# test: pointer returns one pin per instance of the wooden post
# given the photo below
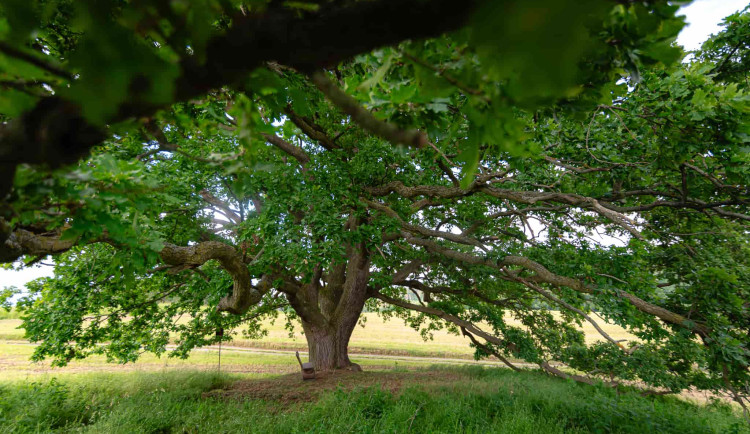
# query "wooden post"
(220, 334)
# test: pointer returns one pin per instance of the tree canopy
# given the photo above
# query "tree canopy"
(202, 165)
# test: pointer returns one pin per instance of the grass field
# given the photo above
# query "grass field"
(432, 400)
(260, 391)
(377, 337)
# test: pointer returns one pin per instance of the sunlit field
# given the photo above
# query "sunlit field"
(378, 336)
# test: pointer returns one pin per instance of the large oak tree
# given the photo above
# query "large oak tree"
(226, 161)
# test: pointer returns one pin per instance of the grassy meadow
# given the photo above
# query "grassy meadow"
(376, 337)
(430, 400)
(259, 390)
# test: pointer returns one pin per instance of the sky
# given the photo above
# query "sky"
(703, 18)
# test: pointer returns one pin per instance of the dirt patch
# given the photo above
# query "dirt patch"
(291, 388)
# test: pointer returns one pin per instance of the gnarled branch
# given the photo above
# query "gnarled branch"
(244, 294)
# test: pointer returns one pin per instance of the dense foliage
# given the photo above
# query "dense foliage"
(537, 159)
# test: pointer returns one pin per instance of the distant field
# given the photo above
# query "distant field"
(377, 337)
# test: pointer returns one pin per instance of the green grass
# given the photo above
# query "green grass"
(485, 400)
(160, 395)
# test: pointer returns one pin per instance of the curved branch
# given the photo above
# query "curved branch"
(568, 306)
(456, 238)
(440, 314)
(56, 133)
(526, 197)
(21, 242)
(35, 60)
(244, 294)
(544, 275)
(546, 367)
(311, 130)
(221, 205)
(489, 350)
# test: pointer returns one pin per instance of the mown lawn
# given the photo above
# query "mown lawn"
(431, 400)
(16, 366)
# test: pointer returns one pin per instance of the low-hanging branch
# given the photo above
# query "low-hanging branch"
(244, 294)
(55, 132)
(447, 317)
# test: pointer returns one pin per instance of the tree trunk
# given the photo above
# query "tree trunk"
(330, 312)
(328, 345)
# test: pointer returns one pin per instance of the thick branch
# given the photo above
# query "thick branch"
(544, 275)
(364, 118)
(21, 242)
(295, 151)
(579, 378)
(456, 238)
(243, 294)
(311, 130)
(35, 60)
(221, 205)
(55, 132)
(354, 290)
(526, 197)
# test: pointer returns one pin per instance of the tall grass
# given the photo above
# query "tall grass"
(487, 400)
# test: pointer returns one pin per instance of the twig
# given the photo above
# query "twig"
(450, 79)
(489, 350)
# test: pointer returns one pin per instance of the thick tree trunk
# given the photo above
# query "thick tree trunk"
(329, 344)
(329, 311)
(326, 352)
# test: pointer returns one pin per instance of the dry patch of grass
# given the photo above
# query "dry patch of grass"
(393, 337)
(378, 336)
(291, 388)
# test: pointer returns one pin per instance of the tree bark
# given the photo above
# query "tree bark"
(329, 346)
(56, 133)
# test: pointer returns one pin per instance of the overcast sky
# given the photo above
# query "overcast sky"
(703, 18)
